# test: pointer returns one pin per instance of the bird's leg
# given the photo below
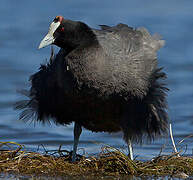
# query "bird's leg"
(130, 149)
(77, 132)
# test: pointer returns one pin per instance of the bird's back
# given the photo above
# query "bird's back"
(120, 63)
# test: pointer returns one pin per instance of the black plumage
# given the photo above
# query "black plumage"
(104, 80)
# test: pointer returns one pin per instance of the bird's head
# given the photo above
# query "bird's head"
(67, 34)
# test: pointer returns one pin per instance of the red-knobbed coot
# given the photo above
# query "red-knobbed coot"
(105, 80)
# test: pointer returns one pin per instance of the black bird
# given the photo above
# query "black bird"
(105, 80)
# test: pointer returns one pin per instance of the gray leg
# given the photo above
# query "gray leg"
(77, 132)
(130, 149)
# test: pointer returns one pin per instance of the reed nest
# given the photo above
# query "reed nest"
(14, 159)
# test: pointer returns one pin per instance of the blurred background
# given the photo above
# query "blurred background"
(24, 23)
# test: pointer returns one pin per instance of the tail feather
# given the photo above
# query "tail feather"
(154, 42)
(147, 118)
(158, 104)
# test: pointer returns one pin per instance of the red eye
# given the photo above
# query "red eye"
(62, 29)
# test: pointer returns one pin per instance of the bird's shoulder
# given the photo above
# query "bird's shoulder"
(122, 39)
(118, 37)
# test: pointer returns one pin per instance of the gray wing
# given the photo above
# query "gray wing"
(125, 39)
(122, 63)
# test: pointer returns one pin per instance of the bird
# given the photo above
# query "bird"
(103, 80)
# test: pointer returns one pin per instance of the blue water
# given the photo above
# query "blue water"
(24, 23)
